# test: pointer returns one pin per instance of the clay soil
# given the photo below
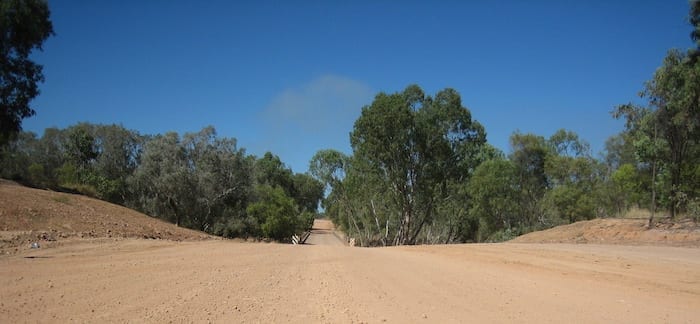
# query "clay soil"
(664, 232)
(132, 279)
(53, 218)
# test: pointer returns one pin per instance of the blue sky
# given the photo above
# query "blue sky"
(291, 77)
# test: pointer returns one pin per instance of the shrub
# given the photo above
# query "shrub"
(37, 177)
(694, 209)
(275, 212)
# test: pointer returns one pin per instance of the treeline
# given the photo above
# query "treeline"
(421, 170)
(196, 180)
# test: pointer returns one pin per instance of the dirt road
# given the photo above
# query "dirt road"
(323, 233)
(223, 281)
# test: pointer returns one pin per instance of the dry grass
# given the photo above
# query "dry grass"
(639, 213)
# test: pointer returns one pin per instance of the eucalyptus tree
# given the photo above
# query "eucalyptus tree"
(221, 177)
(304, 189)
(17, 155)
(416, 144)
(163, 186)
(118, 154)
(529, 153)
(495, 207)
(573, 177)
(24, 26)
(666, 133)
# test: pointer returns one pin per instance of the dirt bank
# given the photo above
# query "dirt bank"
(681, 232)
(53, 218)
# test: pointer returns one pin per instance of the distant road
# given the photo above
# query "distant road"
(323, 233)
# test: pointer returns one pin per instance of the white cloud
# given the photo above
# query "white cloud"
(317, 115)
(322, 104)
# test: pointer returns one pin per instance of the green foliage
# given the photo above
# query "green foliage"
(572, 178)
(328, 166)
(306, 192)
(504, 235)
(571, 203)
(619, 151)
(624, 186)
(67, 175)
(494, 191)
(15, 157)
(306, 221)
(197, 180)
(665, 134)
(24, 26)
(276, 213)
(166, 180)
(80, 147)
(272, 172)
(409, 146)
(36, 174)
(529, 155)
(421, 172)
(694, 209)
(303, 188)
(544, 183)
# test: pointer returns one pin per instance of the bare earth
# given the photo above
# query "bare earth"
(683, 232)
(221, 281)
(127, 279)
(53, 219)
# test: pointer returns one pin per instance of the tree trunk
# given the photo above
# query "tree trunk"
(653, 184)
(675, 185)
(376, 220)
(173, 206)
(653, 194)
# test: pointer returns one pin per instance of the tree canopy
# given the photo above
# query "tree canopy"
(24, 26)
(196, 180)
(420, 170)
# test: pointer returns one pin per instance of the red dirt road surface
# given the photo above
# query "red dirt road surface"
(225, 282)
(104, 263)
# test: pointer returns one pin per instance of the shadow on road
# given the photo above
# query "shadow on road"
(323, 233)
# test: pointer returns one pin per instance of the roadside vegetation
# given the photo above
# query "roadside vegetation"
(197, 180)
(421, 170)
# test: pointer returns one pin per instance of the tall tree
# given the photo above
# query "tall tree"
(619, 150)
(17, 155)
(307, 192)
(269, 170)
(668, 130)
(220, 175)
(529, 155)
(24, 26)
(275, 212)
(119, 151)
(494, 192)
(165, 187)
(571, 174)
(416, 144)
(694, 19)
